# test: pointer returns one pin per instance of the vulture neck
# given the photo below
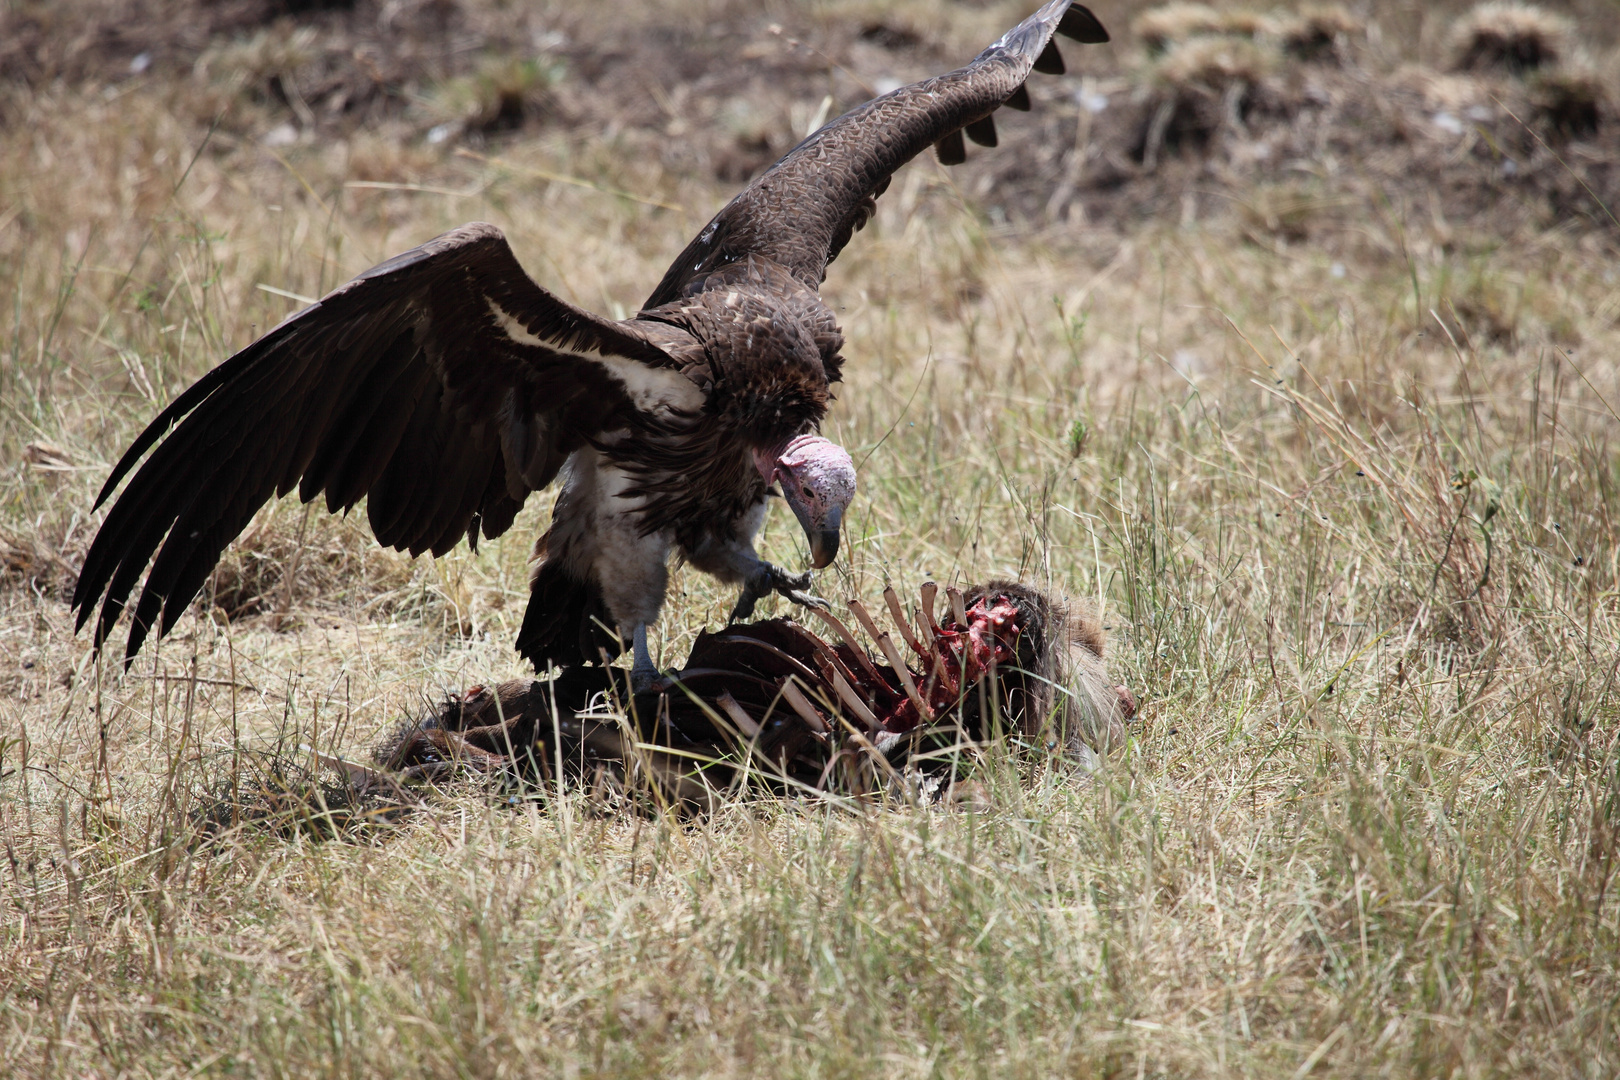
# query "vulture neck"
(765, 460)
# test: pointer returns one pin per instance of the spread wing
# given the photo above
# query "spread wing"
(443, 385)
(804, 209)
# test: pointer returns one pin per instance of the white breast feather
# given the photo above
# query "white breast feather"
(649, 389)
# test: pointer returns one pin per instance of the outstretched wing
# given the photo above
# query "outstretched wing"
(802, 211)
(443, 385)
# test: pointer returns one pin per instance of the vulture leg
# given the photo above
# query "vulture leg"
(767, 578)
(644, 674)
(730, 556)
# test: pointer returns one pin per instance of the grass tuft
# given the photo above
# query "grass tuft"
(1511, 37)
(1320, 33)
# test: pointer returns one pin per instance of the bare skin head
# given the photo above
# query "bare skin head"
(818, 481)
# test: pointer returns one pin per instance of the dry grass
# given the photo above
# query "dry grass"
(1351, 504)
(1161, 27)
(1512, 37)
(1320, 32)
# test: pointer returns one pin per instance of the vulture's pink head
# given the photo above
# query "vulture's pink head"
(818, 481)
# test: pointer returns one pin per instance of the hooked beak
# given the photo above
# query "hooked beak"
(824, 545)
(822, 535)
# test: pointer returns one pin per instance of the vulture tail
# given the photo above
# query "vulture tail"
(567, 621)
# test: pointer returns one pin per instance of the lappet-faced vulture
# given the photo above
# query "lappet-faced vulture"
(444, 386)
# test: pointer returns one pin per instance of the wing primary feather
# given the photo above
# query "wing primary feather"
(982, 131)
(390, 382)
(443, 482)
(255, 398)
(820, 187)
(194, 395)
(1019, 99)
(448, 482)
(1050, 61)
(218, 510)
(332, 394)
(458, 523)
(188, 492)
(194, 573)
(351, 379)
(363, 469)
(1079, 24)
(123, 580)
(162, 488)
(337, 465)
(391, 506)
(498, 508)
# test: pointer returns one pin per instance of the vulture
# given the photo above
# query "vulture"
(444, 386)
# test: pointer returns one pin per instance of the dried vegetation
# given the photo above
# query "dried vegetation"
(1319, 405)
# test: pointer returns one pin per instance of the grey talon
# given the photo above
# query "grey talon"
(769, 578)
(744, 607)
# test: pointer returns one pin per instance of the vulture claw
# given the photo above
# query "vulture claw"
(769, 578)
(744, 607)
(804, 599)
(786, 581)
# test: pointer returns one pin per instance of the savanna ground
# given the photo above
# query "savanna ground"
(1301, 363)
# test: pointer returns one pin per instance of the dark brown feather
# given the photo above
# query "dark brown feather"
(982, 131)
(405, 483)
(1050, 61)
(497, 508)
(355, 450)
(799, 212)
(1079, 24)
(951, 150)
(390, 387)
